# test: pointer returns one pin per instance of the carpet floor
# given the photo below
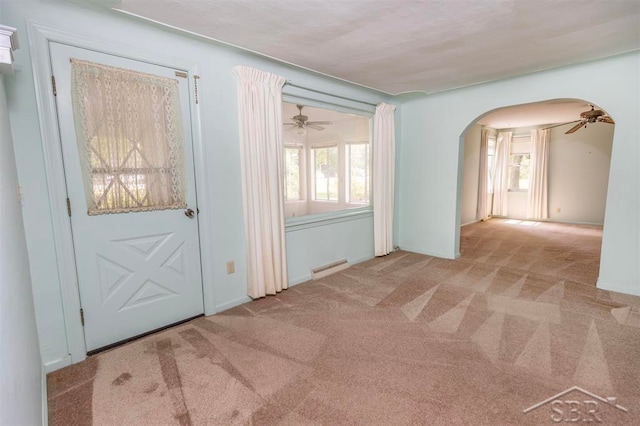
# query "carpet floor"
(402, 339)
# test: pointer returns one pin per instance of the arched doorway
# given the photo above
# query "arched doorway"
(576, 171)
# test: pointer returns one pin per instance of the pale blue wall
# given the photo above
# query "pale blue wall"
(431, 154)
(217, 88)
(21, 371)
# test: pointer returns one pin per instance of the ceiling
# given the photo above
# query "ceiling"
(409, 45)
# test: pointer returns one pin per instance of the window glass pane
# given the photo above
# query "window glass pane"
(292, 174)
(130, 140)
(325, 162)
(358, 173)
(519, 172)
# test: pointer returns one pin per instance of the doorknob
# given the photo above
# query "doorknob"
(189, 213)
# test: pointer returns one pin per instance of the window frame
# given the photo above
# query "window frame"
(312, 171)
(302, 169)
(516, 148)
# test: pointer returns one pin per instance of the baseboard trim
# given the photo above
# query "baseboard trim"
(564, 222)
(364, 259)
(232, 304)
(431, 253)
(45, 403)
(472, 222)
(57, 364)
(618, 289)
(299, 280)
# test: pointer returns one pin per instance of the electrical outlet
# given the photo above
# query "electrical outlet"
(231, 267)
(558, 209)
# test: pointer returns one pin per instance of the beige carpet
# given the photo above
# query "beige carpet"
(403, 339)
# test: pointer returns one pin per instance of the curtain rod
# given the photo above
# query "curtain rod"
(288, 83)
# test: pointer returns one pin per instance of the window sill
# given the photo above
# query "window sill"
(323, 219)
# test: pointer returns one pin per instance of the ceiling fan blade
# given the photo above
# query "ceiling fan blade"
(320, 123)
(576, 127)
(313, 126)
(561, 124)
(289, 124)
(606, 119)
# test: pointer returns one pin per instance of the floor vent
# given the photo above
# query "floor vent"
(331, 268)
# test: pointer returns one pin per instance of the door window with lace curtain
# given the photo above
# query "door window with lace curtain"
(130, 139)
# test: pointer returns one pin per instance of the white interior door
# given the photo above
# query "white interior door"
(137, 270)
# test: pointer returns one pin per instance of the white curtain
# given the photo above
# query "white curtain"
(538, 183)
(130, 139)
(501, 180)
(384, 160)
(482, 212)
(262, 161)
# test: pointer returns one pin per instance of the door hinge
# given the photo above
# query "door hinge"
(53, 86)
(195, 84)
(69, 207)
(82, 316)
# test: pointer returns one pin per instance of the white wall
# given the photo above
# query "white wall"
(21, 372)
(471, 174)
(431, 156)
(218, 107)
(579, 166)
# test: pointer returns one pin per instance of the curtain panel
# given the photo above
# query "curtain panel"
(384, 160)
(262, 163)
(483, 211)
(501, 180)
(537, 207)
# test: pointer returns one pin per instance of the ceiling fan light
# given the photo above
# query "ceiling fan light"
(301, 131)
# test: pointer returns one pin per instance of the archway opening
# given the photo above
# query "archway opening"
(501, 175)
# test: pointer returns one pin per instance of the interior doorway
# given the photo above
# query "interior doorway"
(580, 139)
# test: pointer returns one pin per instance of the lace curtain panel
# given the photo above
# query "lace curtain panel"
(130, 139)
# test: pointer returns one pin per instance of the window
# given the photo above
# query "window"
(327, 160)
(519, 172)
(293, 176)
(519, 159)
(358, 172)
(325, 173)
(135, 163)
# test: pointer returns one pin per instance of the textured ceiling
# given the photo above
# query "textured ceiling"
(410, 45)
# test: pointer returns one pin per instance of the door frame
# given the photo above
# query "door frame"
(39, 38)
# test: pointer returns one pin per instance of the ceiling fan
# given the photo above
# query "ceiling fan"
(592, 116)
(301, 122)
